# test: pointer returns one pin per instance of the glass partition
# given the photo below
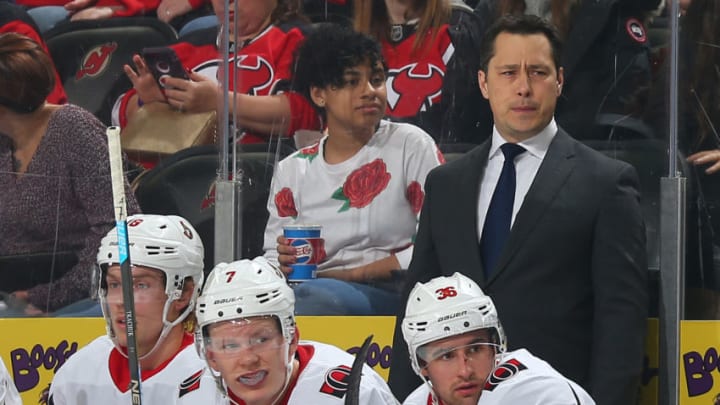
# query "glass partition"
(245, 146)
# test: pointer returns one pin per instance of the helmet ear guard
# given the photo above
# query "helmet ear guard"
(445, 307)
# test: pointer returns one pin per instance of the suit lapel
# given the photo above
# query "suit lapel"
(471, 171)
(552, 174)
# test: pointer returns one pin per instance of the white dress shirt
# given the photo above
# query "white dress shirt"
(526, 167)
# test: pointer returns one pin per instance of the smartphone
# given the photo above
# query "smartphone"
(163, 62)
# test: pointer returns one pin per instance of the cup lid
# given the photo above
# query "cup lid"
(302, 227)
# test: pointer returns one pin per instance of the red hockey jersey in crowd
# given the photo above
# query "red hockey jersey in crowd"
(264, 67)
(435, 87)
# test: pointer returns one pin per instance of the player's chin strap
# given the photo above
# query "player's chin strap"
(433, 395)
(289, 366)
(167, 325)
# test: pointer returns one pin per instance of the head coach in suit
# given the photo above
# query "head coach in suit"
(563, 256)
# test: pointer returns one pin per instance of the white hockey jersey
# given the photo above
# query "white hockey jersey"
(521, 378)
(8, 392)
(323, 379)
(98, 374)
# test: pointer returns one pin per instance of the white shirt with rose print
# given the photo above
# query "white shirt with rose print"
(368, 205)
(521, 378)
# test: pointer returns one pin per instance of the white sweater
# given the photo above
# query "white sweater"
(363, 204)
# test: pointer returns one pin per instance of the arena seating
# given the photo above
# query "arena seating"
(183, 184)
(89, 56)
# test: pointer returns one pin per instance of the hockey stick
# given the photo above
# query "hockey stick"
(118, 191)
(352, 396)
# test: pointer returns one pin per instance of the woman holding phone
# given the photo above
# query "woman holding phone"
(263, 35)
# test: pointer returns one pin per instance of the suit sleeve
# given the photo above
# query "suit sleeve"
(423, 266)
(619, 274)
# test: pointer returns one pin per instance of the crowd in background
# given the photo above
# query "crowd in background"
(384, 111)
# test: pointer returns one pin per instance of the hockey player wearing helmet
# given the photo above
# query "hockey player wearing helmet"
(458, 347)
(246, 331)
(166, 255)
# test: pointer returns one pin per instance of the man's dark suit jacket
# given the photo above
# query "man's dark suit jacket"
(570, 284)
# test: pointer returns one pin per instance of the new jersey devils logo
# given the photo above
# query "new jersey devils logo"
(96, 60)
(255, 75)
(413, 88)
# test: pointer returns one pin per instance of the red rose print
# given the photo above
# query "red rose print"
(415, 195)
(285, 203)
(365, 183)
(309, 153)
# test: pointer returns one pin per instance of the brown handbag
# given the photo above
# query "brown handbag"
(157, 130)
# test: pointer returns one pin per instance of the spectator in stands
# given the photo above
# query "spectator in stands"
(166, 278)
(430, 48)
(605, 61)
(554, 234)
(362, 181)
(55, 177)
(458, 347)
(247, 332)
(268, 33)
(50, 13)
(14, 18)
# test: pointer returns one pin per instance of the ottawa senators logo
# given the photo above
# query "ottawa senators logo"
(503, 372)
(336, 381)
(96, 60)
(413, 88)
(190, 384)
(255, 75)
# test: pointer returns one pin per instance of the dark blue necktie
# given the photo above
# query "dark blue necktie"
(499, 215)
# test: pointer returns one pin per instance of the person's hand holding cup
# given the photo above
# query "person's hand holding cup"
(300, 249)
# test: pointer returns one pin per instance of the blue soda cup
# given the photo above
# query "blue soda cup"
(309, 250)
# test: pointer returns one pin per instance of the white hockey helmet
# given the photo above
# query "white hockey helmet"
(444, 307)
(243, 289)
(164, 242)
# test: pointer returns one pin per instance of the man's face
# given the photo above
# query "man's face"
(458, 366)
(252, 357)
(522, 85)
(149, 296)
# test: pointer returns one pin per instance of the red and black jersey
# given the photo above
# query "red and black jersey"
(14, 18)
(435, 86)
(260, 65)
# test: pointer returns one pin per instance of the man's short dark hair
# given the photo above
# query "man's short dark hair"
(520, 25)
(325, 54)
